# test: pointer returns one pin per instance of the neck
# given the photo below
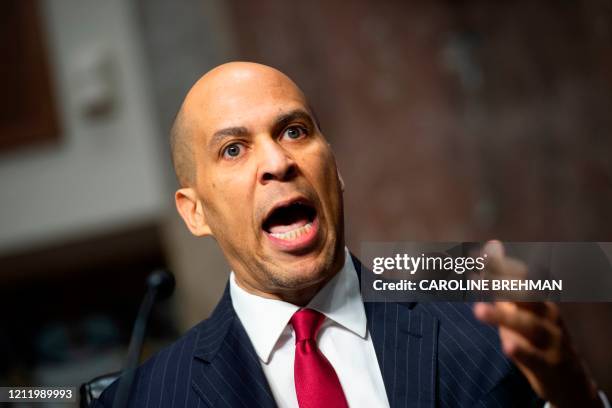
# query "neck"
(301, 297)
(298, 294)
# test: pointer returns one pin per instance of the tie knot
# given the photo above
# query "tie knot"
(306, 324)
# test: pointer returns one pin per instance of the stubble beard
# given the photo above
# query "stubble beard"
(309, 276)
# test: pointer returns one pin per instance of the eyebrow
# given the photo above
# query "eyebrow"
(286, 118)
(280, 122)
(219, 135)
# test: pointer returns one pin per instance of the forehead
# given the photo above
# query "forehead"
(248, 101)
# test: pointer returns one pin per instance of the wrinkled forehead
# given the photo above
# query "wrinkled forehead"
(249, 101)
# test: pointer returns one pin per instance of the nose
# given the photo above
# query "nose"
(275, 163)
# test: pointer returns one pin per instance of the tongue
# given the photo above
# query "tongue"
(280, 228)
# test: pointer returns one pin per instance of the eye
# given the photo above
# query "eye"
(294, 132)
(232, 151)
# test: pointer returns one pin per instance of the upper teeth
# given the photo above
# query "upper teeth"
(293, 234)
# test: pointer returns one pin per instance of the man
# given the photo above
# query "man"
(257, 174)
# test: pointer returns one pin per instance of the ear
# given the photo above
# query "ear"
(191, 211)
(341, 181)
(337, 169)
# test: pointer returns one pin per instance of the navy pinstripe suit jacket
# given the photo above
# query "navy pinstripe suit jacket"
(430, 355)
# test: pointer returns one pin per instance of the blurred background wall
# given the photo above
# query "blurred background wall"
(458, 121)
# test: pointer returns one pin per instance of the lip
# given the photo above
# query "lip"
(284, 203)
(298, 245)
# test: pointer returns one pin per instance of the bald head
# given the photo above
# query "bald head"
(224, 85)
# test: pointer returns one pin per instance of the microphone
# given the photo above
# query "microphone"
(160, 284)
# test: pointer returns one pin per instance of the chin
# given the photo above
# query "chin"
(304, 272)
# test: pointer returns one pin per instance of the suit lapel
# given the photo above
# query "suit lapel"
(406, 347)
(406, 344)
(227, 371)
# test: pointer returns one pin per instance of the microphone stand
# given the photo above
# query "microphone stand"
(160, 285)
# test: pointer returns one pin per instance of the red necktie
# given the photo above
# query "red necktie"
(316, 382)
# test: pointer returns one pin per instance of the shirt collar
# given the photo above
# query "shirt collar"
(265, 319)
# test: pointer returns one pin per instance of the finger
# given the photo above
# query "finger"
(508, 268)
(494, 249)
(521, 351)
(546, 310)
(537, 330)
(497, 261)
(505, 268)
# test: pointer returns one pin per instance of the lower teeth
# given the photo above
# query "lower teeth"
(293, 234)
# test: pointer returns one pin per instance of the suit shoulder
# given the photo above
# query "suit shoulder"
(471, 363)
(457, 319)
(462, 336)
(163, 373)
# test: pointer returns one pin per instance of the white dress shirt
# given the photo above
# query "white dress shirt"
(343, 338)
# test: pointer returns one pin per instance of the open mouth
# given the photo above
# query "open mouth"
(292, 225)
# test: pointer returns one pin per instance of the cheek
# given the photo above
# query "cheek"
(230, 204)
(319, 163)
(320, 169)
